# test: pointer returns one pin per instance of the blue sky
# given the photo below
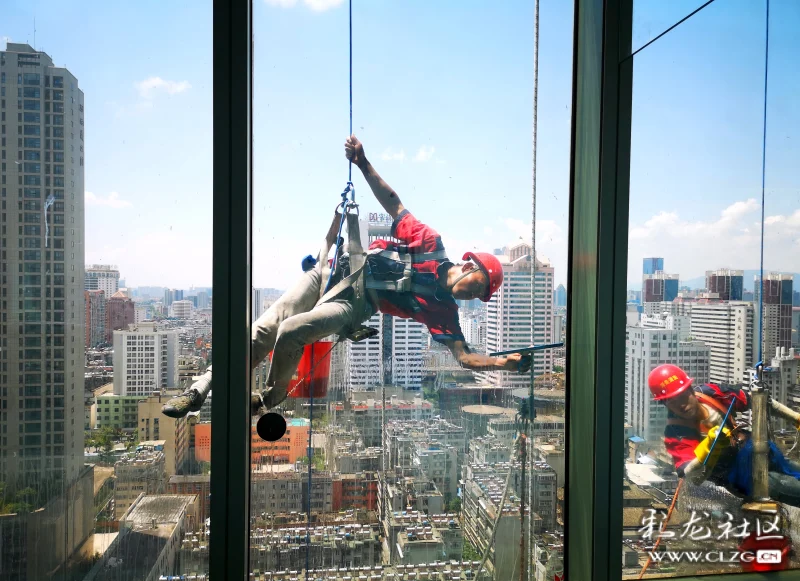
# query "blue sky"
(443, 104)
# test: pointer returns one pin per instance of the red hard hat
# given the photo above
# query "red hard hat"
(491, 267)
(668, 381)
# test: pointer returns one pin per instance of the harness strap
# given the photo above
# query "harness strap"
(415, 257)
(717, 405)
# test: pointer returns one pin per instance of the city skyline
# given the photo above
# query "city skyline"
(423, 154)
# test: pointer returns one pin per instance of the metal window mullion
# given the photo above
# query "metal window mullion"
(230, 440)
(597, 262)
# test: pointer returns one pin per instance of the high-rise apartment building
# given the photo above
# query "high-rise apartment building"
(169, 297)
(257, 308)
(473, 326)
(102, 277)
(728, 330)
(120, 313)
(95, 313)
(509, 314)
(182, 309)
(42, 192)
(652, 265)
(726, 283)
(394, 355)
(645, 349)
(145, 360)
(777, 289)
(659, 287)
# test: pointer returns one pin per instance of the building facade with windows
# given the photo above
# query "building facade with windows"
(42, 282)
(102, 277)
(145, 360)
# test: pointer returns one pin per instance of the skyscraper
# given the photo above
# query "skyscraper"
(102, 277)
(257, 308)
(728, 329)
(509, 314)
(652, 265)
(43, 307)
(727, 283)
(561, 296)
(659, 287)
(777, 289)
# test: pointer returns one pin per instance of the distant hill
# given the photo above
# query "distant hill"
(699, 282)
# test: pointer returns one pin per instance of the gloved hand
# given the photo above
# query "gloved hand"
(703, 449)
(526, 362)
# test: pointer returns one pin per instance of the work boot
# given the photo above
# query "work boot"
(180, 405)
(273, 396)
(256, 405)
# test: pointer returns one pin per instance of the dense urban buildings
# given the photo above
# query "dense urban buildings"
(95, 307)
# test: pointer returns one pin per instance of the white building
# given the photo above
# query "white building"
(101, 277)
(145, 360)
(182, 309)
(509, 315)
(394, 355)
(728, 330)
(142, 313)
(257, 307)
(473, 326)
(645, 349)
(679, 323)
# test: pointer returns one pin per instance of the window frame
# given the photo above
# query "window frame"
(597, 273)
(232, 252)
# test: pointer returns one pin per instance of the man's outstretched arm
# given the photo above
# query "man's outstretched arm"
(388, 198)
(478, 362)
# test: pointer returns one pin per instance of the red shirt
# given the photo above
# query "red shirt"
(681, 441)
(438, 312)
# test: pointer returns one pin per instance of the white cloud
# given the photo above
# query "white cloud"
(322, 5)
(148, 87)
(112, 201)
(391, 155)
(425, 153)
(732, 239)
(315, 5)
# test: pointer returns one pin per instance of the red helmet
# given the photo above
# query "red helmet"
(491, 267)
(668, 381)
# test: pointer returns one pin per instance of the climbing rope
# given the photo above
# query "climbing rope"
(348, 202)
(533, 482)
(763, 197)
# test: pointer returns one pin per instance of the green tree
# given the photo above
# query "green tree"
(468, 552)
(454, 505)
(558, 369)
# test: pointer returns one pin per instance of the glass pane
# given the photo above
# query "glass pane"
(697, 324)
(409, 462)
(94, 478)
(651, 18)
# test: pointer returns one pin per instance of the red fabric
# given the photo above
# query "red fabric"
(440, 313)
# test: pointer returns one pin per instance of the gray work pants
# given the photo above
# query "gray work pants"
(294, 321)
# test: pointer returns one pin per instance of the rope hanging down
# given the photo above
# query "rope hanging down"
(763, 182)
(348, 202)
